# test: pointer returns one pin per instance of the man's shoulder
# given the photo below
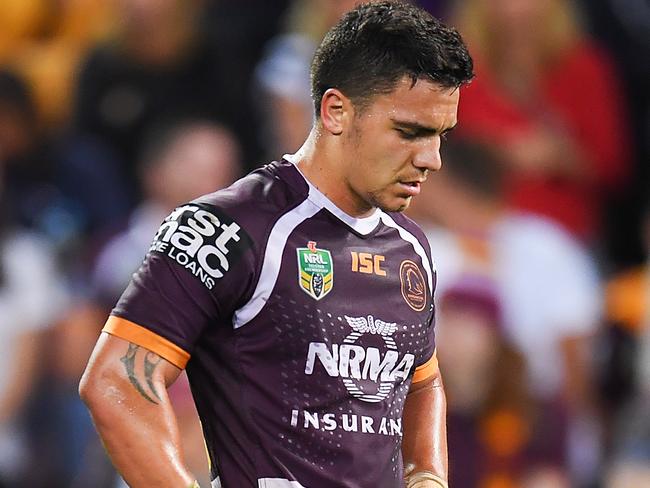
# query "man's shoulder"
(409, 225)
(261, 196)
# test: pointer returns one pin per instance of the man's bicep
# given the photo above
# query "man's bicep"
(132, 368)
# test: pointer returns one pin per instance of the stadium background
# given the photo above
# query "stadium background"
(114, 111)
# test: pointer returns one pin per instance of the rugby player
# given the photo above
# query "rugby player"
(300, 299)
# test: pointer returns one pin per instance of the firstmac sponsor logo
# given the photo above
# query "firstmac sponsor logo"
(200, 241)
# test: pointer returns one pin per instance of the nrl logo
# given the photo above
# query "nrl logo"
(315, 270)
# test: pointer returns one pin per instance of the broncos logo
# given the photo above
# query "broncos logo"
(414, 282)
(413, 285)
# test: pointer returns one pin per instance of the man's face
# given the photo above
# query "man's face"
(394, 142)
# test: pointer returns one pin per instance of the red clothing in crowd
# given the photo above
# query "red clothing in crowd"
(579, 95)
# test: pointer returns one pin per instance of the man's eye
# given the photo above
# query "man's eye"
(407, 134)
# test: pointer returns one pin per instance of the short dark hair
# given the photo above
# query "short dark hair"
(376, 44)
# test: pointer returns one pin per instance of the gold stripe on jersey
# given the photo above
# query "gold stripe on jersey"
(132, 332)
(426, 370)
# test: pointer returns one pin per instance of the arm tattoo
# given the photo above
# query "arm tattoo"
(129, 365)
(149, 367)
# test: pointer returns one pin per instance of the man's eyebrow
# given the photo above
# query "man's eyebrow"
(417, 127)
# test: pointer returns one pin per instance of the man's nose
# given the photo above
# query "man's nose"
(428, 156)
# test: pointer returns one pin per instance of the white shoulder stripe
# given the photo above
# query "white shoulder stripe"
(429, 267)
(277, 483)
(273, 259)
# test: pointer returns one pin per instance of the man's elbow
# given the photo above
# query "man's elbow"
(95, 387)
(88, 387)
(85, 387)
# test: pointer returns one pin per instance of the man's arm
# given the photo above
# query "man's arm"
(125, 389)
(424, 446)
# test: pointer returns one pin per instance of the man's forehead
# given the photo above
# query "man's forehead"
(419, 102)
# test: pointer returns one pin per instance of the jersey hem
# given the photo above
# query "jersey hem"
(132, 332)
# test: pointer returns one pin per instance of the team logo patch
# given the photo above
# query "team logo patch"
(414, 289)
(315, 270)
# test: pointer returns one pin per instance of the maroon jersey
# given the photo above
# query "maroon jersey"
(301, 329)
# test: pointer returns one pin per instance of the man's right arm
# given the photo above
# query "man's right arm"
(125, 389)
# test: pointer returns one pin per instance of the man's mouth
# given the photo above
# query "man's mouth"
(412, 188)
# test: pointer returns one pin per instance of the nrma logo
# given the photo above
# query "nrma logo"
(357, 364)
(197, 240)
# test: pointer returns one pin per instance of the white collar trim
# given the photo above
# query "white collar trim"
(363, 225)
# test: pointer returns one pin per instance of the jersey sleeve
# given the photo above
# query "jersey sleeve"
(198, 269)
(429, 366)
(426, 370)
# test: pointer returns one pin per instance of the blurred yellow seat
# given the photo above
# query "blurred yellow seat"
(45, 44)
(20, 20)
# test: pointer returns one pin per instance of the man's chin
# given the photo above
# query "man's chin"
(396, 206)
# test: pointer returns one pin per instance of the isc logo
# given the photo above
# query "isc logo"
(364, 262)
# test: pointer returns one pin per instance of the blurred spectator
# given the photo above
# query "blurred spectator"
(628, 300)
(493, 424)
(624, 26)
(546, 282)
(60, 188)
(283, 74)
(627, 305)
(548, 102)
(31, 299)
(239, 31)
(159, 67)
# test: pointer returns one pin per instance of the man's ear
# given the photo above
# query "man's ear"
(335, 111)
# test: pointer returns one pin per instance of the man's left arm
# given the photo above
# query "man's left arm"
(424, 446)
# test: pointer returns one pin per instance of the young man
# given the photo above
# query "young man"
(299, 299)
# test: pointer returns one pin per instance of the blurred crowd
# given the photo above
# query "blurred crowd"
(112, 112)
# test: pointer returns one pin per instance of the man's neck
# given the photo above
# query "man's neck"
(321, 162)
